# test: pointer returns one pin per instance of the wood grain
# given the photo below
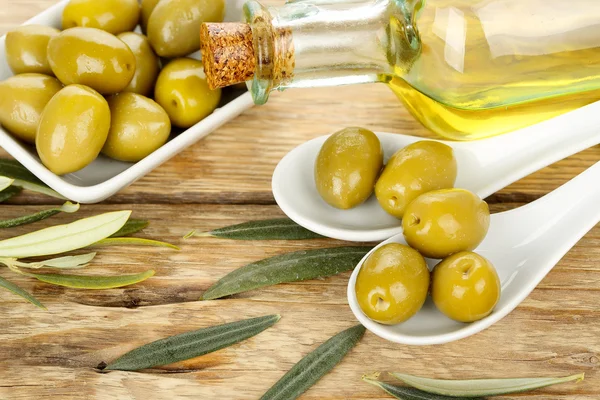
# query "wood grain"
(554, 332)
(225, 179)
(234, 164)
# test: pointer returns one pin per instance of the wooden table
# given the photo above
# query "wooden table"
(225, 179)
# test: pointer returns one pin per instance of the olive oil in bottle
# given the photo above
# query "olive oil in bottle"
(470, 124)
(466, 69)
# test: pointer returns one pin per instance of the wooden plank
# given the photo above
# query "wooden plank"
(186, 274)
(46, 360)
(235, 163)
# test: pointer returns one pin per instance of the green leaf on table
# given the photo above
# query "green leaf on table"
(289, 267)
(132, 226)
(269, 229)
(20, 292)
(5, 182)
(315, 365)
(68, 207)
(9, 192)
(481, 387)
(91, 282)
(129, 241)
(25, 179)
(67, 262)
(409, 393)
(63, 238)
(191, 344)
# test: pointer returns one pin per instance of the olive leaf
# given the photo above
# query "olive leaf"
(269, 229)
(68, 207)
(290, 267)
(91, 282)
(5, 182)
(190, 344)
(68, 262)
(481, 387)
(131, 226)
(63, 238)
(25, 179)
(20, 292)
(315, 365)
(129, 241)
(9, 192)
(409, 393)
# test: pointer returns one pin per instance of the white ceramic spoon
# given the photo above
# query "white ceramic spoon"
(524, 244)
(484, 167)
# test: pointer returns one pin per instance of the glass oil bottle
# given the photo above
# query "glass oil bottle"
(466, 69)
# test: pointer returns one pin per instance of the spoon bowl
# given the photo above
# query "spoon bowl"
(524, 244)
(484, 167)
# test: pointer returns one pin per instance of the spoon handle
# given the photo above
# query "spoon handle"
(507, 158)
(563, 216)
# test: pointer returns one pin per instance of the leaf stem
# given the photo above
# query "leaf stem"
(130, 241)
(198, 234)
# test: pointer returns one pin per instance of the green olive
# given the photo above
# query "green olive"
(22, 101)
(147, 8)
(26, 49)
(416, 169)
(181, 89)
(392, 284)
(91, 57)
(465, 287)
(113, 16)
(73, 129)
(138, 127)
(444, 222)
(174, 25)
(146, 62)
(347, 167)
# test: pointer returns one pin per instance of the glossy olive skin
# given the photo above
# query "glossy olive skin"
(465, 287)
(444, 222)
(147, 63)
(22, 101)
(181, 89)
(73, 129)
(347, 167)
(392, 284)
(91, 57)
(113, 16)
(26, 49)
(147, 8)
(416, 169)
(174, 25)
(138, 127)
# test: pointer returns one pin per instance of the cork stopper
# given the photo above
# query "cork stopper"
(227, 53)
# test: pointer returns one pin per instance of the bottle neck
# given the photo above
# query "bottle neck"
(315, 43)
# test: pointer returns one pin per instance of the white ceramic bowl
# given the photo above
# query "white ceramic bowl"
(105, 177)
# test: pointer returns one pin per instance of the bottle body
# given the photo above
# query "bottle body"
(466, 69)
(489, 67)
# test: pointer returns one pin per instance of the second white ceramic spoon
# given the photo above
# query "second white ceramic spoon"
(524, 244)
(484, 167)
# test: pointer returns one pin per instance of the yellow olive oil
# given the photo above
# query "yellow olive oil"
(491, 66)
(465, 124)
